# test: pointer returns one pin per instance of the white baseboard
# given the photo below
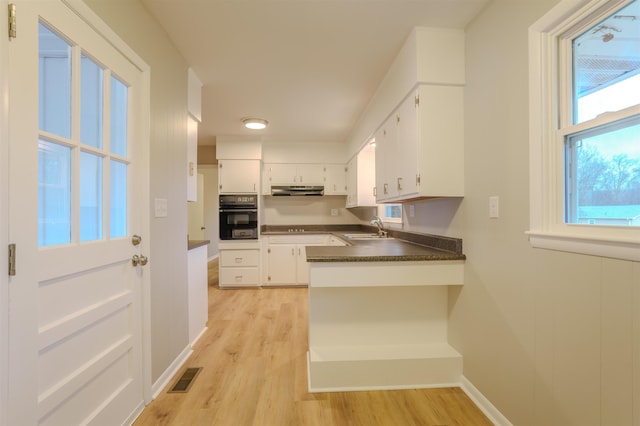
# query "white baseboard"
(489, 410)
(171, 371)
(198, 336)
(215, 256)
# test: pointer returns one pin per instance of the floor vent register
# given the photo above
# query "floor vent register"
(186, 380)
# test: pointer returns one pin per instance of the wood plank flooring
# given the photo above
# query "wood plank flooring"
(255, 374)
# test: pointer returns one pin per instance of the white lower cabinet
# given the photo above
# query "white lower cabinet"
(239, 266)
(285, 258)
(381, 325)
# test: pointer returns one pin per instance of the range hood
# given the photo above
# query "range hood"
(296, 191)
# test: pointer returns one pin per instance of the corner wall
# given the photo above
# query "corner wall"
(550, 338)
(168, 240)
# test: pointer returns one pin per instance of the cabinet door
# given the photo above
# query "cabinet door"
(282, 265)
(282, 174)
(385, 151)
(192, 159)
(310, 174)
(352, 182)
(406, 164)
(335, 179)
(239, 176)
(302, 266)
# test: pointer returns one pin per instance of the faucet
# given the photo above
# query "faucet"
(380, 224)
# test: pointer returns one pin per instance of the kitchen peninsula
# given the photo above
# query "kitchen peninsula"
(378, 311)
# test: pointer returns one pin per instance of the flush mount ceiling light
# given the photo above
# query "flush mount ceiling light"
(254, 123)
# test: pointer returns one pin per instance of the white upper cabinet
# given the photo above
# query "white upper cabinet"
(335, 179)
(295, 174)
(361, 174)
(332, 176)
(238, 165)
(420, 148)
(194, 98)
(239, 176)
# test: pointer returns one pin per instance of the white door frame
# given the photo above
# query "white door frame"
(4, 214)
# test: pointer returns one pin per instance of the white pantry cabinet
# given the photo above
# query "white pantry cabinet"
(420, 147)
(238, 176)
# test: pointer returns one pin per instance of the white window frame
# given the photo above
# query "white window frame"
(546, 143)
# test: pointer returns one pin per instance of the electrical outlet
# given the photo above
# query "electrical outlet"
(334, 212)
(412, 210)
(494, 207)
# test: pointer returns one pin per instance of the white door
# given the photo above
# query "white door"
(195, 213)
(77, 186)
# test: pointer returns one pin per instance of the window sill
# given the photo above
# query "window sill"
(624, 249)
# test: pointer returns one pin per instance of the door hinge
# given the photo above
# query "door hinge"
(12, 259)
(12, 20)
(418, 180)
(417, 100)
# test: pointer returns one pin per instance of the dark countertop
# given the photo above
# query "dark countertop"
(403, 246)
(191, 244)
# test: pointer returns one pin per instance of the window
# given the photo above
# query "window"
(391, 212)
(585, 128)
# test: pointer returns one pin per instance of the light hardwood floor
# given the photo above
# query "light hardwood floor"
(255, 374)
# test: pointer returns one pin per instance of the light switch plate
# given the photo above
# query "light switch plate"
(494, 207)
(160, 205)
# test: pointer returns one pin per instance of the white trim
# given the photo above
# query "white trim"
(4, 224)
(170, 372)
(547, 227)
(198, 336)
(489, 410)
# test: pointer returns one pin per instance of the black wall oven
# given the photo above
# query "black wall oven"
(239, 217)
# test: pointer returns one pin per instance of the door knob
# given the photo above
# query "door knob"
(139, 260)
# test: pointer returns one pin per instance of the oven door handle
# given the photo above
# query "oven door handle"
(238, 210)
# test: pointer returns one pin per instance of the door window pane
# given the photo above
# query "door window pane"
(54, 194)
(119, 104)
(118, 197)
(54, 83)
(90, 102)
(90, 197)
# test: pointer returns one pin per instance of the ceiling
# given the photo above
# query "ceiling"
(309, 67)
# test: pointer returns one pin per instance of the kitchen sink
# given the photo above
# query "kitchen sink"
(367, 237)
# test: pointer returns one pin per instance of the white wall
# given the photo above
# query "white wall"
(168, 255)
(550, 338)
(306, 210)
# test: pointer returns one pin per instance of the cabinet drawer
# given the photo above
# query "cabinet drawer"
(239, 258)
(234, 277)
